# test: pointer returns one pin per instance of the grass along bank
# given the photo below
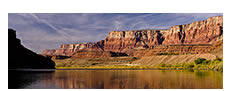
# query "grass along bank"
(125, 63)
(93, 62)
(198, 64)
(123, 67)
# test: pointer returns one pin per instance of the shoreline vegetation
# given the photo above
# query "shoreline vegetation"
(198, 64)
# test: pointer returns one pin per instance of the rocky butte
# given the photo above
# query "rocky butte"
(194, 38)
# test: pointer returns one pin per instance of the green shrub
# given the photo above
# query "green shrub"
(216, 64)
(178, 65)
(162, 65)
(217, 59)
(219, 67)
(206, 62)
(190, 65)
(199, 61)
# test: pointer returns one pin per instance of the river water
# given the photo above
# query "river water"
(117, 79)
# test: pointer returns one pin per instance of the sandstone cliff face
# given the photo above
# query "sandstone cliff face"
(23, 58)
(131, 42)
(120, 41)
(70, 49)
(200, 32)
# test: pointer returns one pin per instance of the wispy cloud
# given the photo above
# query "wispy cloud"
(39, 31)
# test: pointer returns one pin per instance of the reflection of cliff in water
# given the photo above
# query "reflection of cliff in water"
(93, 79)
(21, 79)
(117, 79)
(20, 57)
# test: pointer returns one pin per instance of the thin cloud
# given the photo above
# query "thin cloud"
(39, 31)
(47, 23)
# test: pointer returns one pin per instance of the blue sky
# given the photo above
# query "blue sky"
(39, 31)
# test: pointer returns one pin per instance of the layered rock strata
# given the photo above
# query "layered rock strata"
(70, 49)
(200, 33)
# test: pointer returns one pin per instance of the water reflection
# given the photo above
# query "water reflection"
(22, 79)
(201, 73)
(132, 79)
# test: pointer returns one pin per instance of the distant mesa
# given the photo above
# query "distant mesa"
(195, 38)
(20, 57)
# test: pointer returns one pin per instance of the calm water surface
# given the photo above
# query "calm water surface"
(119, 79)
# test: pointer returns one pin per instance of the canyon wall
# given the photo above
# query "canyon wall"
(70, 49)
(20, 57)
(201, 34)
(122, 41)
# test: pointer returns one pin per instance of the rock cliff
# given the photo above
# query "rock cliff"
(141, 39)
(200, 32)
(70, 49)
(20, 57)
(132, 42)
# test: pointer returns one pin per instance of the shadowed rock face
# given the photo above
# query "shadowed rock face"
(97, 54)
(208, 31)
(22, 58)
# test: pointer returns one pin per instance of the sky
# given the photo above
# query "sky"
(39, 31)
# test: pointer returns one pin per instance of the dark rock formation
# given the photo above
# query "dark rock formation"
(20, 57)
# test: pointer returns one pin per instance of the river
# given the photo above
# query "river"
(117, 79)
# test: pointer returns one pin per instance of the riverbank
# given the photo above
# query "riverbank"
(199, 64)
(120, 68)
(128, 68)
(126, 63)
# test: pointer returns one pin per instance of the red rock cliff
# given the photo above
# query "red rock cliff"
(201, 32)
(121, 41)
(70, 49)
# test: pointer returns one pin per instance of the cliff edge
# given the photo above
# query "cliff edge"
(20, 57)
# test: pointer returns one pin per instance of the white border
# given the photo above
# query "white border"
(97, 6)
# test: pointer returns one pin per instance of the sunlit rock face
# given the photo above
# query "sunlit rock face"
(49, 52)
(200, 32)
(207, 31)
(120, 41)
(70, 49)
